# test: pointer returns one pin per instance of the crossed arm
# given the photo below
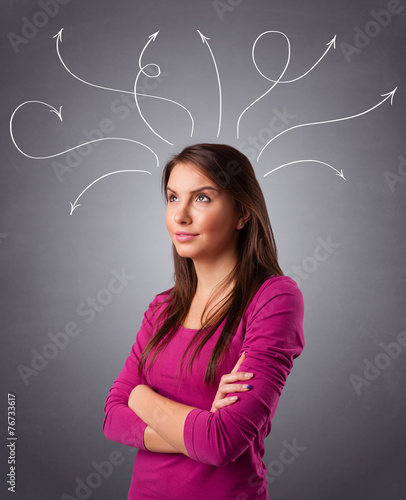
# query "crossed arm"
(165, 418)
(137, 416)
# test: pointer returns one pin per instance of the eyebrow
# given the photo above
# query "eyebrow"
(196, 190)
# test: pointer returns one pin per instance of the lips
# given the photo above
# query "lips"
(183, 236)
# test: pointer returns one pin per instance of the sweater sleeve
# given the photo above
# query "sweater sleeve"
(120, 423)
(273, 339)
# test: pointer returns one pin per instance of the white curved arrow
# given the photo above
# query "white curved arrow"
(275, 83)
(136, 99)
(58, 37)
(307, 161)
(75, 203)
(204, 40)
(331, 43)
(387, 96)
(151, 38)
(59, 114)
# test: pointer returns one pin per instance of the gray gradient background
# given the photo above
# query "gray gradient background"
(51, 261)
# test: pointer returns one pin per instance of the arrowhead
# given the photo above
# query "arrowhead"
(153, 36)
(332, 42)
(58, 113)
(73, 206)
(390, 94)
(204, 38)
(341, 175)
(58, 36)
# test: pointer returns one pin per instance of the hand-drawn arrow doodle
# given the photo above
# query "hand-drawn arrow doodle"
(151, 38)
(387, 96)
(137, 103)
(59, 115)
(75, 203)
(204, 40)
(276, 81)
(331, 43)
(58, 37)
(307, 161)
(142, 68)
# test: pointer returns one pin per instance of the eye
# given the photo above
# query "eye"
(200, 196)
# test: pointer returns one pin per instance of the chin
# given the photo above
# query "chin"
(184, 253)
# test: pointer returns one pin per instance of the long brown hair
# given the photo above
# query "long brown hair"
(257, 260)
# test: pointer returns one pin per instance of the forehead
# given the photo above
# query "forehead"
(188, 175)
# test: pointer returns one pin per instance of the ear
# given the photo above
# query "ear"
(244, 217)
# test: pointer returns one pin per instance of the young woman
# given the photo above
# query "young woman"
(199, 390)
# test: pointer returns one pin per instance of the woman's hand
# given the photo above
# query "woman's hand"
(227, 385)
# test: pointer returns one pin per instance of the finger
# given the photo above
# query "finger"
(238, 364)
(225, 402)
(229, 378)
(229, 388)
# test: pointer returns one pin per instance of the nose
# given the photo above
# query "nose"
(182, 214)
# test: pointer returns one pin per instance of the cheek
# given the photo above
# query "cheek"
(213, 227)
(220, 222)
(206, 221)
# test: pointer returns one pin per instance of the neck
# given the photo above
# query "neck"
(211, 273)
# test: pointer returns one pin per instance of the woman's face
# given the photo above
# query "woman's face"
(204, 214)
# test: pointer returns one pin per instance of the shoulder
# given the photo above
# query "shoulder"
(158, 305)
(276, 285)
(161, 297)
(275, 316)
(278, 291)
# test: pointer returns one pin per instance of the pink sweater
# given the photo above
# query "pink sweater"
(225, 447)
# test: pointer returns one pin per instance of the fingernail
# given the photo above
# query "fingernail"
(247, 386)
(233, 398)
(247, 375)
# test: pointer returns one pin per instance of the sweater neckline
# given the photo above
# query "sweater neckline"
(249, 305)
(188, 329)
